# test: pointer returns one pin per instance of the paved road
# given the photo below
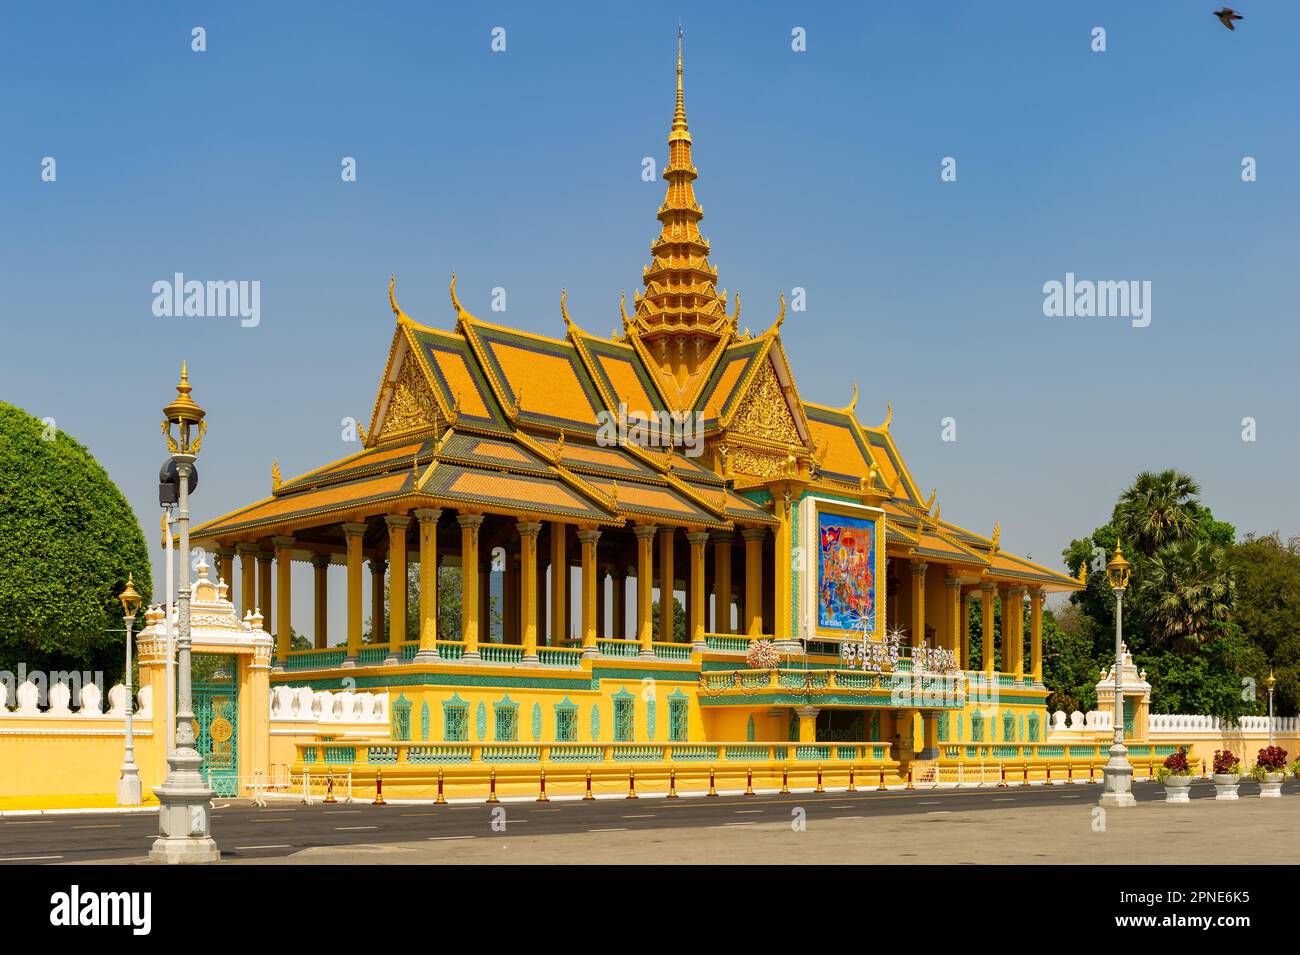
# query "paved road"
(244, 831)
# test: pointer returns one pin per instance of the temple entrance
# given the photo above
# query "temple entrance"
(216, 717)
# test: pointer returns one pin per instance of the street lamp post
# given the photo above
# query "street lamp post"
(1271, 682)
(128, 784)
(1117, 775)
(184, 798)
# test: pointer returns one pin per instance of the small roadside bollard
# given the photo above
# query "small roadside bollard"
(749, 781)
(713, 790)
(852, 788)
(1002, 771)
(541, 781)
(1091, 778)
(1151, 770)
(329, 799)
(492, 786)
(1024, 781)
(1203, 776)
(1049, 774)
(909, 778)
(820, 788)
(587, 797)
(881, 787)
(1069, 774)
(785, 779)
(441, 800)
(631, 784)
(379, 788)
(672, 784)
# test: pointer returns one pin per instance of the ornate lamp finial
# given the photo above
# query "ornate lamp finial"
(1118, 570)
(185, 413)
(130, 599)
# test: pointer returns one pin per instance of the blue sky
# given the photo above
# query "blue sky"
(818, 169)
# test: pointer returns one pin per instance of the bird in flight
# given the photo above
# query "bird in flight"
(1226, 16)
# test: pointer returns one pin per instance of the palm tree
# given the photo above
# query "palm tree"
(1190, 590)
(1158, 509)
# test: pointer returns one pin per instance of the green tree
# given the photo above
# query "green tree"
(1157, 509)
(1267, 571)
(68, 540)
(1188, 590)
(679, 621)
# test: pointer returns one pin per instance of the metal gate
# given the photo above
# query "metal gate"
(216, 715)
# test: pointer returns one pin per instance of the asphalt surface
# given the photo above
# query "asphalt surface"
(284, 827)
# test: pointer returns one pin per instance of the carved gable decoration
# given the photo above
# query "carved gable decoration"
(412, 407)
(764, 412)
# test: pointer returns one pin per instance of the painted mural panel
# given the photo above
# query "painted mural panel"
(846, 574)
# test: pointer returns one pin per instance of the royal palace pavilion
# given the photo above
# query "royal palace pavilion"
(547, 478)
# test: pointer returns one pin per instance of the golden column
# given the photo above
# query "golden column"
(559, 582)
(248, 577)
(695, 623)
(283, 580)
(354, 536)
(667, 585)
(469, 525)
(987, 590)
(722, 583)
(321, 565)
(753, 579)
(265, 602)
(953, 627)
(588, 537)
(428, 518)
(528, 531)
(1013, 630)
(964, 659)
(618, 603)
(645, 535)
(378, 630)
(226, 566)
(1036, 634)
(397, 528)
(918, 602)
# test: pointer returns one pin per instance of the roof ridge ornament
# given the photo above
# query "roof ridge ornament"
(275, 475)
(402, 317)
(889, 415)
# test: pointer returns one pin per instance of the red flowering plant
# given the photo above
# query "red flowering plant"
(1226, 764)
(1271, 759)
(1175, 765)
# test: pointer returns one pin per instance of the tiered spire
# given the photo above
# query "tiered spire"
(681, 316)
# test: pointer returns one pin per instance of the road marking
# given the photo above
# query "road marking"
(928, 802)
(840, 807)
(848, 817)
(340, 812)
(746, 812)
(278, 810)
(937, 812)
(270, 820)
(608, 830)
(107, 825)
(727, 824)
(1004, 798)
(646, 815)
(346, 828)
(447, 838)
(546, 810)
(264, 847)
(28, 858)
(28, 822)
(1071, 797)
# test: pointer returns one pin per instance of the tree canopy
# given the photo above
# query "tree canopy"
(68, 540)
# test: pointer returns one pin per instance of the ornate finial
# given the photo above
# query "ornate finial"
(622, 307)
(568, 322)
(275, 475)
(780, 316)
(997, 535)
(735, 316)
(929, 504)
(402, 317)
(455, 409)
(516, 404)
(559, 446)
(613, 494)
(853, 402)
(185, 413)
(936, 514)
(1083, 572)
(361, 432)
(461, 314)
(889, 415)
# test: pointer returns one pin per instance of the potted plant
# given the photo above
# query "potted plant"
(1227, 774)
(1269, 771)
(1176, 775)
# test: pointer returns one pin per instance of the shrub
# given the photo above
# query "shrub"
(1175, 765)
(1271, 759)
(1226, 764)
